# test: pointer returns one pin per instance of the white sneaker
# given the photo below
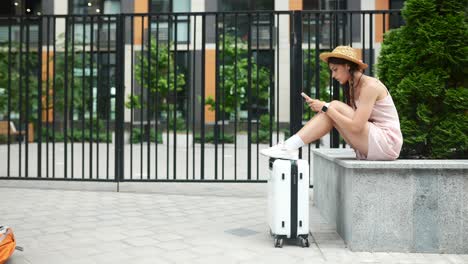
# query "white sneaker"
(280, 151)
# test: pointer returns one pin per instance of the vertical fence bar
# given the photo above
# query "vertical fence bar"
(257, 93)
(54, 94)
(202, 106)
(296, 73)
(216, 127)
(292, 57)
(272, 83)
(142, 70)
(21, 93)
(235, 95)
(277, 75)
(65, 114)
(27, 105)
(168, 113)
(371, 44)
(98, 93)
(309, 78)
(194, 79)
(91, 96)
(317, 63)
(9, 99)
(72, 111)
(150, 104)
(38, 127)
(343, 27)
(249, 99)
(157, 97)
(222, 96)
(119, 105)
(132, 87)
(83, 98)
(174, 154)
(47, 96)
(364, 37)
(384, 27)
(109, 105)
(187, 99)
(350, 29)
(335, 136)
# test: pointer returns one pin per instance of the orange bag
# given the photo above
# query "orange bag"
(7, 243)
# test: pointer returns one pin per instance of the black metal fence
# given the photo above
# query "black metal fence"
(166, 97)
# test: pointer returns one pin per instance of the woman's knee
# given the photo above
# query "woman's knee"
(337, 103)
(342, 108)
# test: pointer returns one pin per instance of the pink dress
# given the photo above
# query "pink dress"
(385, 138)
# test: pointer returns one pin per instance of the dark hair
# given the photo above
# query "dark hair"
(349, 86)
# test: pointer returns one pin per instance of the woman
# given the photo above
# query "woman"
(368, 122)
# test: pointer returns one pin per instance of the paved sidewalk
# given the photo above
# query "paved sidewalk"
(171, 223)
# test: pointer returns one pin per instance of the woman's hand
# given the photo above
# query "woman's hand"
(315, 105)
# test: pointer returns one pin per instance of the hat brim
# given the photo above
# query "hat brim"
(326, 55)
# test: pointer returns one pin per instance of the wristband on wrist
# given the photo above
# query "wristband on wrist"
(325, 107)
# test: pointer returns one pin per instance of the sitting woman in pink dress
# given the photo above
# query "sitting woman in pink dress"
(368, 122)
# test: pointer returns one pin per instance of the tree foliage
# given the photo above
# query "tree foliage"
(18, 82)
(234, 82)
(424, 63)
(155, 75)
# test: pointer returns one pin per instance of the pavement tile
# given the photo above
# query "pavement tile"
(110, 257)
(141, 241)
(456, 259)
(56, 226)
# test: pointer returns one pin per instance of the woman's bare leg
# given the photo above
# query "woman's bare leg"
(321, 124)
(359, 141)
(315, 128)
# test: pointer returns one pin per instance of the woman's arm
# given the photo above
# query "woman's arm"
(356, 124)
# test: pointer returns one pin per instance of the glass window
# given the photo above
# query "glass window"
(169, 6)
(334, 5)
(396, 20)
(16, 8)
(311, 4)
(20, 7)
(259, 26)
(160, 6)
(111, 6)
(245, 5)
(82, 7)
(181, 6)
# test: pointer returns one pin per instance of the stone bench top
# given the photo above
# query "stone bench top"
(347, 158)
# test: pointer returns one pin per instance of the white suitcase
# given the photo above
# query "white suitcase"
(288, 200)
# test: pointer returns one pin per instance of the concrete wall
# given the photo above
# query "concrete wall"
(400, 206)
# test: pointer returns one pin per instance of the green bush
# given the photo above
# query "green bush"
(424, 64)
(209, 138)
(263, 136)
(137, 136)
(4, 139)
(76, 136)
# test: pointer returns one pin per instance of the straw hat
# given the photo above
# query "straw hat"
(344, 52)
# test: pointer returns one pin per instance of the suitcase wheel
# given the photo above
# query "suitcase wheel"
(279, 242)
(305, 242)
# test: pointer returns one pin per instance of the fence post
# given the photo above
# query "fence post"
(334, 135)
(119, 102)
(296, 102)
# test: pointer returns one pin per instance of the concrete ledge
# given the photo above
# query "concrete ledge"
(399, 206)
